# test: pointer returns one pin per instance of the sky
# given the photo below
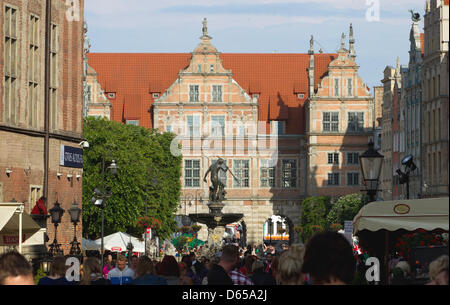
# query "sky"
(381, 27)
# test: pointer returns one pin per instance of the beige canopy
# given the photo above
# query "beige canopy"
(427, 214)
(14, 222)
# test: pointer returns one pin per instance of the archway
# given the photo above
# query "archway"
(278, 230)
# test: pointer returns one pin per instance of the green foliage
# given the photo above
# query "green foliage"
(313, 218)
(345, 208)
(141, 155)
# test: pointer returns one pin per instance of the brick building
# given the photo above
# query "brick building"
(39, 129)
(252, 110)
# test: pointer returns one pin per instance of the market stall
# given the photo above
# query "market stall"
(383, 224)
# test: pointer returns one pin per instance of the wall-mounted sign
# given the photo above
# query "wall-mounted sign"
(71, 157)
(12, 239)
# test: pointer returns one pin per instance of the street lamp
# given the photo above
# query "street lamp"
(404, 176)
(75, 213)
(100, 196)
(187, 201)
(154, 183)
(56, 213)
(371, 162)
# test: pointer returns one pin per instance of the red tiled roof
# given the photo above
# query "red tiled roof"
(270, 75)
(132, 107)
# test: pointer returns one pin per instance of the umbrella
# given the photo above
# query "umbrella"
(118, 242)
(89, 245)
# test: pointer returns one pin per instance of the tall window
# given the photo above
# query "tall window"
(217, 93)
(35, 194)
(352, 179)
(352, 158)
(54, 35)
(34, 68)
(355, 121)
(10, 63)
(349, 87)
(241, 171)
(439, 124)
(192, 173)
(333, 178)
(336, 87)
(194, 93)
(289, 173)
(330, 122)
(267, 174)
(217, 126)
(193, 126)
(333, 158)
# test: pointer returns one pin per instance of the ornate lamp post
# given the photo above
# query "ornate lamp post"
(404, 176)
(270, 228)
(371, 162)
(100, 196)
(56, 213)
(75, 213)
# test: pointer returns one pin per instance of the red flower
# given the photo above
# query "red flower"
(421, 230)
(401, 253)
(422, 243)
(397, 245)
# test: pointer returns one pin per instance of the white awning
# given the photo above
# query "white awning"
(428, 214)
(14, 222)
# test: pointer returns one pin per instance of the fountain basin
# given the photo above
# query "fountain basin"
(212, 221)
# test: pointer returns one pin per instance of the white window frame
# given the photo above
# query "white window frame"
(268, 177)
(333, 179)
(194, 93)
(285, 178)
(192, 178)
(215, 97)
(239, 171)
(332, 123)
(215, 126)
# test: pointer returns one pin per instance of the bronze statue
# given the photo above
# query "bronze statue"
(217, 190)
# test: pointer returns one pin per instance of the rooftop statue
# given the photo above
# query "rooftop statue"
(415, 16)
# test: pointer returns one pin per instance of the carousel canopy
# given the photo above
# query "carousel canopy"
(427, 214)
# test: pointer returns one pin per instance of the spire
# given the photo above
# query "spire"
(343, 41)
(311, 45)
(397, 67)
(352, 43)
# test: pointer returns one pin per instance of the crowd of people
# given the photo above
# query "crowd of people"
(327, 259)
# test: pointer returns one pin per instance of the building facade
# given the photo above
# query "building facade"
(390, 131)
(249, 109)
(340, 121)
(37, 130)
(410, 111)
(435, 99)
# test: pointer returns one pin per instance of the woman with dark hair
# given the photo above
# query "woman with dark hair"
(92, 273)
(57, 274)
(169, 270)
(329, 259)
(146, 273)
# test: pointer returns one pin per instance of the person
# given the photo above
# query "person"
(239, 278)
(268, 265)
(187, 260)
(169, 270)
(15, 269)
(200, 271)
(108, 266)
(146, 273)
(57, 274)
(259, 277)
(290, 266)
(439, 271)
(184, 278)
(246, 269)
(274, 268)
(329, 259)
(92, 274)
(122, 274)
(133, 263)
(229, 259)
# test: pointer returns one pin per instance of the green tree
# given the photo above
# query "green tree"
(147, 171)
(345, 208)
(313, 217)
